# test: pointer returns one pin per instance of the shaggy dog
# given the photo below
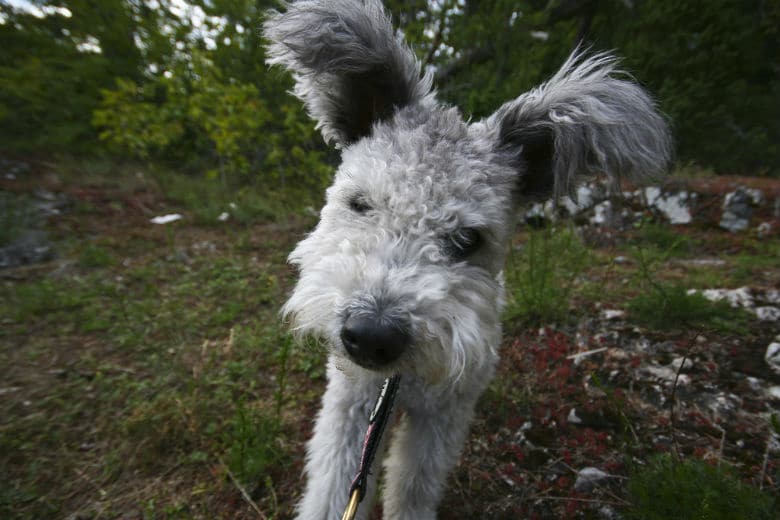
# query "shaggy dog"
(403, 273)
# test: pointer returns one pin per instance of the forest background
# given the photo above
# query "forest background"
(184, 85)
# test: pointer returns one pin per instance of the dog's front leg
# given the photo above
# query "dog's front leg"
(425, 447)
(333, 453)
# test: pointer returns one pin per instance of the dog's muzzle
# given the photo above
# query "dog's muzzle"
(372, 342)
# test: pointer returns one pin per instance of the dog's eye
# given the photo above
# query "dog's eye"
(358, 205)
(462, 243)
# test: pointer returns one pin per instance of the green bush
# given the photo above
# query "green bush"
(693, 490)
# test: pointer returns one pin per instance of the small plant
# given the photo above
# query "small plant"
(252, 444)
(664, 238)
(668, 306)
(692, 489)
(93, 256)
(541, 276)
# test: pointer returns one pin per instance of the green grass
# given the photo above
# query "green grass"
(694, 490)
(156, 365)
(541, 276)
(669, 306)
(665, 239)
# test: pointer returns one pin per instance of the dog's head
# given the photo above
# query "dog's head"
(402, 273)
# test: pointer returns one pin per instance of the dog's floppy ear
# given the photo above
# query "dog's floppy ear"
(350, 70)
(587, 119)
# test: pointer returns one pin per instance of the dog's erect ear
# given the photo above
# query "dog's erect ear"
(349, 68)
(587, 119)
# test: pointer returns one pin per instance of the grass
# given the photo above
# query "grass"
(147, 373)
(665, 239)
(669, 306)
(541, 276)
(141, 367)
(691, 489)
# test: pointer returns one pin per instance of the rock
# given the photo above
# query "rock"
(536, 216)
(608, 513)
(223, 216)
(737, 209)
(166, 219)
(573, 418)
(772, 296)
(722, 404)
(30, 247)
(767, 313)
(652, 193)
(686, 362)
(585, 198)
(772, 356)
(602, 214)
(612, 314)
(665, 374)
(764, 229)
(589, 478)
(13, 169)
(674, 207)
(755, 195)
(774, 392)
(740, 297)
(714, 262)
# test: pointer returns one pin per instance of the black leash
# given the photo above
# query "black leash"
(376, 426)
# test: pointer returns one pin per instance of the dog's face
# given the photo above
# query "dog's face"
(402, 272)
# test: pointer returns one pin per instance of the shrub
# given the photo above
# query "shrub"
(692, 489)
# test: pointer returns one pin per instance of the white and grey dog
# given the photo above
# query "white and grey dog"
(403, 273)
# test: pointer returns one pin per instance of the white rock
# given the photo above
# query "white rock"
(612, 314)
(774, 392)
(588, 479)
(736, 297)
(674, 208)
(715, 262)
(602, 213)
(767, 313)
(166, 219)
(584, 199)
(764, 229)
(223, 216)
(756, 196)
(536, 212)
(772, 356)
(676, 362)
(772, 296)
(573, 418)
(666, 374)
(651, 194)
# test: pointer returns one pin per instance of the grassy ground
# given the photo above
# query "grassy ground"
(144, 373)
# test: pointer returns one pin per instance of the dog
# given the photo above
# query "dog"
(403, 272)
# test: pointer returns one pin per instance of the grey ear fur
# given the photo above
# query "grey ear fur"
(350, 70)
(585, 120)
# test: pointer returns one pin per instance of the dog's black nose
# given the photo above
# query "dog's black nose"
(371, 343)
